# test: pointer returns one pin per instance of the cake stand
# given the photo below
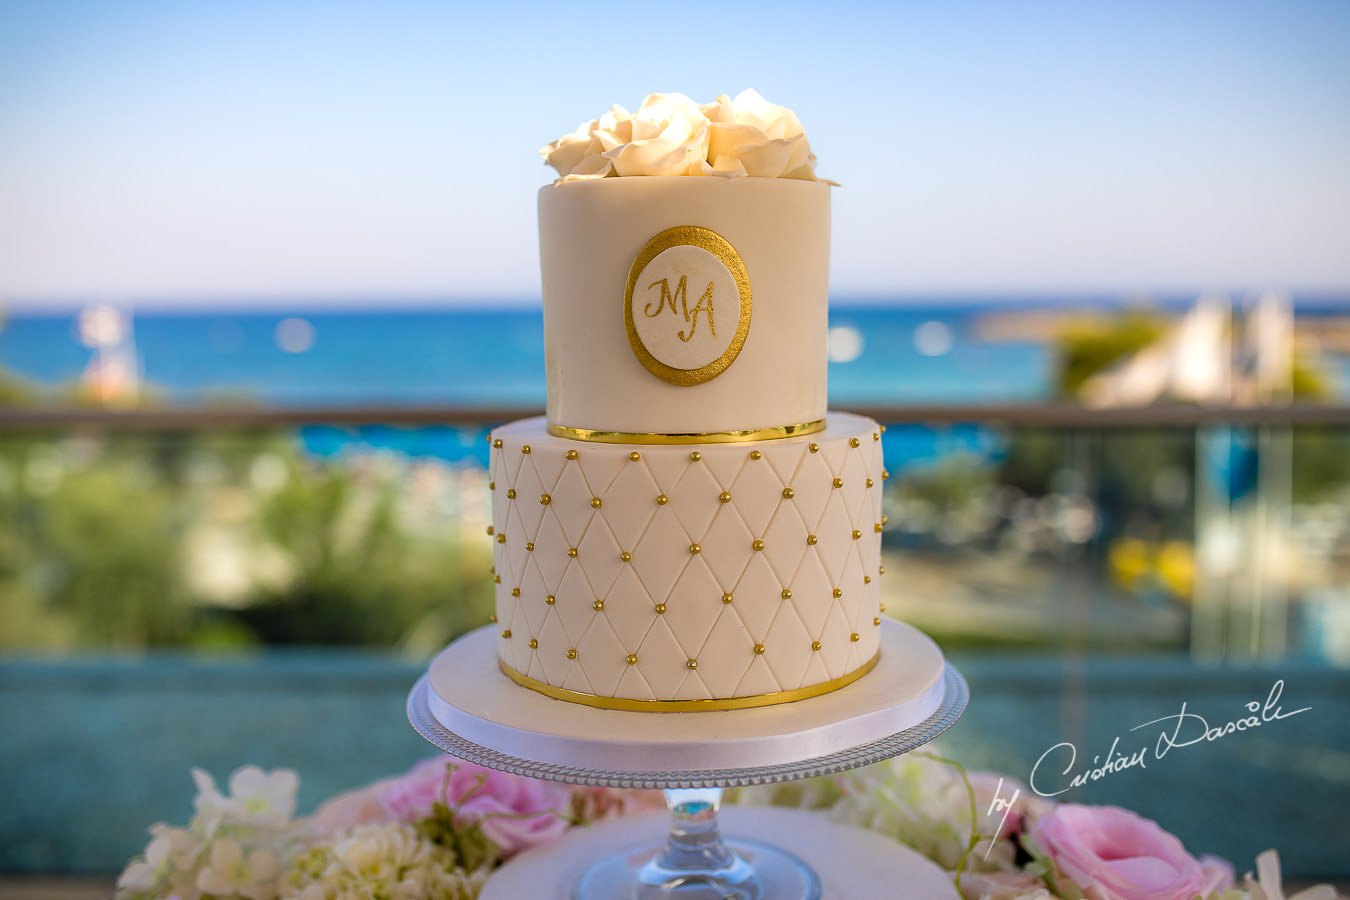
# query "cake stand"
(468, 708)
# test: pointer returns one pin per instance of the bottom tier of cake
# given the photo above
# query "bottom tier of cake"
(688, 576)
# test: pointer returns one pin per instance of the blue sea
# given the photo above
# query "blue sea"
(911, 353)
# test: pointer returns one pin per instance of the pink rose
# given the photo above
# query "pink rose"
(352, 808)
(1114, 854)
(593, 804)
(1026, 808)
(515, 812)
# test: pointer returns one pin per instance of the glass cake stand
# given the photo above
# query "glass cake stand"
(490, 720)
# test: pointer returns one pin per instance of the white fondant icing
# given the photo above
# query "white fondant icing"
(662, 569)
(590, 234)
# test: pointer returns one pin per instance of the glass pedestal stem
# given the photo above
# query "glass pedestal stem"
(694, 861)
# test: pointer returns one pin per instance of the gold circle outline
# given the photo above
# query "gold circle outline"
(718, 246)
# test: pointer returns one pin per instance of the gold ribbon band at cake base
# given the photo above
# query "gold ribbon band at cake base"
(708, 437)
(719, 247)
(632, 705)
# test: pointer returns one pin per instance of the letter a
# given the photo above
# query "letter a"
(705, 305)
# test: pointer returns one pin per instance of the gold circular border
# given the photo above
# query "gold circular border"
(718, 246)
(631, 705)
(703, 437)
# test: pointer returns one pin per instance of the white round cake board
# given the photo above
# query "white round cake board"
(471, 697)
(851, 863)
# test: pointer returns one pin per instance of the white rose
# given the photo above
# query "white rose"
(671, 135)
(752, 136)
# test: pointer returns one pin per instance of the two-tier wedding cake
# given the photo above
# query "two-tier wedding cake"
(687, 527)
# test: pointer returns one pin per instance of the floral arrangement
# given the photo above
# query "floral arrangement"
(440, 830)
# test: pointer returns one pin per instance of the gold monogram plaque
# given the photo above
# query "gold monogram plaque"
(686, 306)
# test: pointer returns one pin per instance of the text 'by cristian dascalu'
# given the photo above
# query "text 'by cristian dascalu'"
(1183, 729)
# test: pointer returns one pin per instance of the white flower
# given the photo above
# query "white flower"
(230, 872)
(257, 799)
(672, 135)
(166, 866)
(391, 861)
(1269, 886)
(751, 136)
(264, 798)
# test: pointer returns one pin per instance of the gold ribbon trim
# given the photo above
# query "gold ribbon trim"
(707, 437)
(631, 705)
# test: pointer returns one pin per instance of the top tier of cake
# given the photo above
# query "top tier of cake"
(680, 307)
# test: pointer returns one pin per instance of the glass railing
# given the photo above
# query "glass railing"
(166, 576)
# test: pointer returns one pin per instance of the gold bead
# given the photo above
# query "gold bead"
(492, 569)
(695, 456)
(572, 552)
(507, 634)
(572, 654)
(626, 556)
(631, 659)
(595, 503)
(869, 482)
(491, 530)
(695, 548)
(635, 456)
(883, 429)
(838, 482)
(534, 644)
(759, 649)
(525, 448)
(867, 579)
(545, 499)
(691, 664)
(876, 620)
(787, 594)
(662, 499)
(877, 528)
(492, 485)
(493, 618)
(550, 600)
(529, 545)
(511, 493)
(726, 598)
(497, 444)
(501, 539)
(885, 475)
(496, 579)
(598, 605)
(812, 540)
(515, 592)
(838, 592)
(814, 448)
(755, 454)
(725, 496)
(875, 436)
(571, 454)
(881, 570)
(883, 607)
(787, 493)
(660, 609)
(856, 534)
(757, 545)
(854, 442)
(815, 645)
(885, 519)
(854, 637)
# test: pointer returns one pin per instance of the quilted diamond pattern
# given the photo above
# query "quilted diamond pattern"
(633, 523)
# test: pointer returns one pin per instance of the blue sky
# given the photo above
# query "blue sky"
(175, 153)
